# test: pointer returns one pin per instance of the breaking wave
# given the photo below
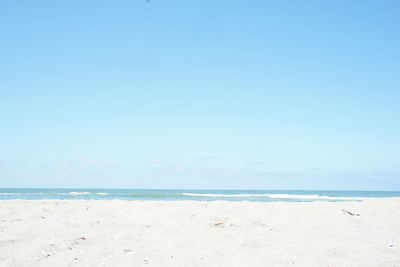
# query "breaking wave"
(276, 196)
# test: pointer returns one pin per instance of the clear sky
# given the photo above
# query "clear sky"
(200, 94)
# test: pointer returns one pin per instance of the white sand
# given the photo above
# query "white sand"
(188, 233)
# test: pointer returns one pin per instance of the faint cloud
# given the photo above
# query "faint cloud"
(389, 174)
(257, 163)
(87, 160)
(206, 158)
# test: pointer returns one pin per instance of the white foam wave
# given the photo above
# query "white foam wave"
(278, 196)
(70, 193)
(79, 193)
(222, 195)
(8, 194)
(87, 193)
(288, 196)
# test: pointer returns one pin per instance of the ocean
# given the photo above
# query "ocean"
(202, 195)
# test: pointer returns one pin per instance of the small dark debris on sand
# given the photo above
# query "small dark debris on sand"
(350, 213)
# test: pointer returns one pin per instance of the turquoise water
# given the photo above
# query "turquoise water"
(202, 195)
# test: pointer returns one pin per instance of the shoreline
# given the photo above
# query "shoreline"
(372, 199)
(201, 195)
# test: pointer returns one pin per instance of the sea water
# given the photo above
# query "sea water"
(188, 194)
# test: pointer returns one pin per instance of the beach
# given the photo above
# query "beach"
(199, 233)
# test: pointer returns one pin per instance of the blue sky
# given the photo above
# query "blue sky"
(200, 94)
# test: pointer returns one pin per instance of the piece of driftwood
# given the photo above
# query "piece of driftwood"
(351, 213)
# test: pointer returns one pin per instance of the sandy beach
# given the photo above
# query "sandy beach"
(192, 233)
